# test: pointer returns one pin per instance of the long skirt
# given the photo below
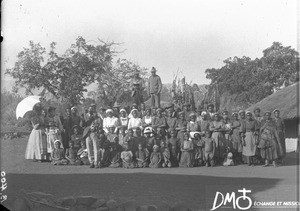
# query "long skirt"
(52, 136)
(186, 159)
(250, 148)
(37, 145)
(220, 146)
(282, 143)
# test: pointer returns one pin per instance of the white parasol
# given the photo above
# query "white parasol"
(27, 105)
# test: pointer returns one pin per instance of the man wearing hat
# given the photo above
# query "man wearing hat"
(137, 84)
(171, 111)
(116, 109)
(154, 88)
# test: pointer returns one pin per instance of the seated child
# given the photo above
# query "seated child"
(104, 154)
(58, 155)
(199, 150)
(142, 157)
(83, 154)
(166, 155)
(76, 137)
(150, 139)
(155, 158)
(174, 145)
(209, 149)
(122, 134)
(127, 157)
(71, 155)
(128, 139)
(115, 156)
(111, 135)
(228, 160)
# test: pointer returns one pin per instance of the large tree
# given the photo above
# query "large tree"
(65, 76)
(252, 80)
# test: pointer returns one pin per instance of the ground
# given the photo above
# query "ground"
(195, 187)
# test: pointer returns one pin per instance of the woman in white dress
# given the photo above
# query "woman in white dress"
(36, 149)
(135, 121)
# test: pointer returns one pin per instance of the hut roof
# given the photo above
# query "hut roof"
(286, 100)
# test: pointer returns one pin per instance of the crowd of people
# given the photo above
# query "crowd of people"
(140, 137)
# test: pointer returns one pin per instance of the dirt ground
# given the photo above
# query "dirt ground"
(195, 187)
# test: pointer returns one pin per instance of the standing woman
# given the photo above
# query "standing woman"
(250, 130)
(236, 138)
(37, 143)
(281, 130)
(270, 144)
(181, 125)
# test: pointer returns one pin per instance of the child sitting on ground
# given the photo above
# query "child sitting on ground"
(142, 157)
(115, 156)
(58, 155)
(150, 139)
(111, 134)
(104, 154)
(127, 157)
(155, 158)
(71, 155)
(83, 154)
(166, 162)
(209, 149)
(228, 160)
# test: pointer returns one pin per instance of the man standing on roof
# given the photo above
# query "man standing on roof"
(154, 88)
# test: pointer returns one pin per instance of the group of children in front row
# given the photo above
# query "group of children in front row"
(154, 150)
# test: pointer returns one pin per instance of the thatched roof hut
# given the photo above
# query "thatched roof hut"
(286, 100)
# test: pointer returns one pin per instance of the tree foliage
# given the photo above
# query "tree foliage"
(64, 76)
(115, 85)
(253, 80)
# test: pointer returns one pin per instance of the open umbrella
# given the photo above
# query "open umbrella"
(27, 105)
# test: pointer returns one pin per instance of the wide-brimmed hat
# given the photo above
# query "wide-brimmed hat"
(109, 111)
(276, 110)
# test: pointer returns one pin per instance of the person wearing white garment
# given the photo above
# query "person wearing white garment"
(110, 121)
(135, 121)
(123, 119)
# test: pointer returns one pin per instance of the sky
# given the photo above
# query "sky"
(184, 36)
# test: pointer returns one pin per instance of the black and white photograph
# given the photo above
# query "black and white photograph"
(148, 105)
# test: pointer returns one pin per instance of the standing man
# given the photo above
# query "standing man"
(154, 88)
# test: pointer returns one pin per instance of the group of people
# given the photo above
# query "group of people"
(156, 137)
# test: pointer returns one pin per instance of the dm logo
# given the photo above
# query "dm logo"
(231, 198)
